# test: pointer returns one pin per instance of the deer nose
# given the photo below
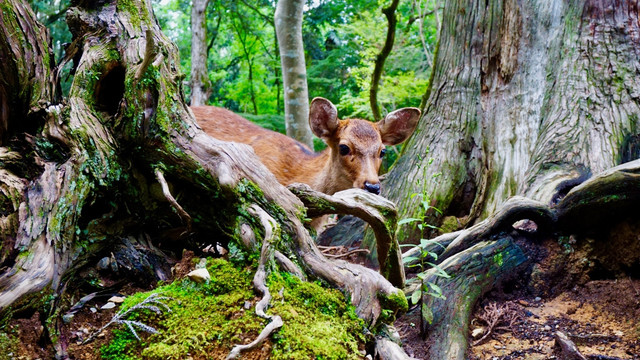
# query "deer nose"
(372, 188)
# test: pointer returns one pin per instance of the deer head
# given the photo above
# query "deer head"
(357, 146)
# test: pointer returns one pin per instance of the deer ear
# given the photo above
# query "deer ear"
(323, 117)
(398, 125)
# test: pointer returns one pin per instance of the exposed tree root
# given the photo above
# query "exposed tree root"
(516, 208)
(568, 350)
(272, 231)
(389, 350)
(167, 194)
(338, 252)
(379, 212)
(493, 315)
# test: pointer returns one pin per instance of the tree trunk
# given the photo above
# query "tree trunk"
(84, 182)
(23, 81)
(288, 20)
(390, 13)
(199, 80)
(527, 99)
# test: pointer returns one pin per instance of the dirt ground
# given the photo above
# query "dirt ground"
(602, 318)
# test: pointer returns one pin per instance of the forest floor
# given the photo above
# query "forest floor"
(601, 317)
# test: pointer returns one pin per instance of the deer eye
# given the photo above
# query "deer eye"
(344, 149)
(382, 152)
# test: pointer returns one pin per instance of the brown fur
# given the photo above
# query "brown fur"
(291, 161)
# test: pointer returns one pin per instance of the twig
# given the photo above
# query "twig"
(167, 194)
(493, 315)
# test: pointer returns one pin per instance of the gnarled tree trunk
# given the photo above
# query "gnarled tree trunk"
(86, 179)
(528, 99)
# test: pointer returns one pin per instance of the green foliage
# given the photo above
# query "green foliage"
(210, 318)
(52, 15)
(341, 41)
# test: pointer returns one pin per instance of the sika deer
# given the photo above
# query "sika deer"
(352, 158)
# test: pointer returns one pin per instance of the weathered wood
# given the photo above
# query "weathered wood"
(26, 79)
(601, 199)
(380, 213)
(473, 272)
(124, 123)
(568, 350)
(271, 229)
(528, 99)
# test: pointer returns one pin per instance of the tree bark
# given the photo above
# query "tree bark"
(528, 99)
(390, 13)
(93, 167)
(199, 80)
(288, 21)
(23, 81)
(524, 101)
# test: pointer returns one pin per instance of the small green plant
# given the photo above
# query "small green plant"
(153, 302)
(423, 256)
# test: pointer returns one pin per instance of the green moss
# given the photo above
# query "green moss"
(318, 322)
(449, 224)
(392, 305)
(211, 318)
(130, 7)
(9, 343)
(203, 317)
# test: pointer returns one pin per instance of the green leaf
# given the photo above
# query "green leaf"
(427, 314)
(415, 297)
(435, 288)
(425, 242)
(440, 272)
(409, 259)
(408, 220)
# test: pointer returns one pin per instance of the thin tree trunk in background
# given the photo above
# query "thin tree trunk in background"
(288, 21)
(277, 70)
(390, 13)
(199, 52)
